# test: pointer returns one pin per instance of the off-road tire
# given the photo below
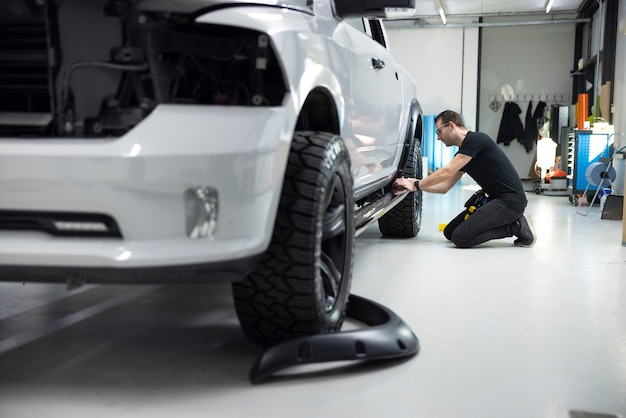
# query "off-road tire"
(405, 219)
(302, 283)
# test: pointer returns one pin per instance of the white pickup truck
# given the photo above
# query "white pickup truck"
(150, 141)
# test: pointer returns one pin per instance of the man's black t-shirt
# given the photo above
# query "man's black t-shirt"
(492, 169)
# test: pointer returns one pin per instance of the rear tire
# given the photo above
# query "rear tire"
(405, 219)
(302, 283)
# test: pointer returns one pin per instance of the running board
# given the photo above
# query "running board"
(369, 214)
(387, 337)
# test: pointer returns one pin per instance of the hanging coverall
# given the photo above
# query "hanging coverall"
(510, 126)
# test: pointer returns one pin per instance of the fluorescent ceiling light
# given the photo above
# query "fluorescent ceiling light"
(399, 12)
(549, 6)
(441, 12)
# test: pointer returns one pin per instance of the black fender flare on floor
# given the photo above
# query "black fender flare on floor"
(386, 337)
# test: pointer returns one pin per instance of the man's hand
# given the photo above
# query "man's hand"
(402, 185)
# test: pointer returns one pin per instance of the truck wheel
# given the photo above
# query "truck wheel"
(302, 283)
(405, 219)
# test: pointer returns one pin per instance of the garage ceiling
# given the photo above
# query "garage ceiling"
(479, 8)
(495, 12)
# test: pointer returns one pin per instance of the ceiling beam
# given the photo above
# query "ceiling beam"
(418, 23)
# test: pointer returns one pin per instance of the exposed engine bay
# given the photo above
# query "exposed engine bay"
(76, 68)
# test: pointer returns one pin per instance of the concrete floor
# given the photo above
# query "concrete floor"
(504, 332)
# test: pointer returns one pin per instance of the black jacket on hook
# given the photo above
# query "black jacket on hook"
(510, 126)
(532, 130)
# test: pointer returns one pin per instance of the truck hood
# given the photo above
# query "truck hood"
(199, 6)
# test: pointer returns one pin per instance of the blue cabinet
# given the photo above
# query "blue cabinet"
(588, 147)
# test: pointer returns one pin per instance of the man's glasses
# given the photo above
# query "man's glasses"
(441, 128)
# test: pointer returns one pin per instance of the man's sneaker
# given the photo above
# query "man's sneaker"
(526, 237)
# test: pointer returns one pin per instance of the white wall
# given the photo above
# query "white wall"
(536, 61)
(533, 59)
(444, 63)
(619, 93)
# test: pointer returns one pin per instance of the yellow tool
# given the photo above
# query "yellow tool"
(478, 199)
(470, 210)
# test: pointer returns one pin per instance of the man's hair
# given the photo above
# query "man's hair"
(450, 116)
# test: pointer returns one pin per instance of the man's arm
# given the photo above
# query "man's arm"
(441, 180)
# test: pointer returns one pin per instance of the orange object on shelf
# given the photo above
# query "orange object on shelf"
(557, 174)
(582, 110)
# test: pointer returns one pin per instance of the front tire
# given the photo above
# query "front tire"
(302, 283)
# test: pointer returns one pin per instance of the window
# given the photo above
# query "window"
(357, 22)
